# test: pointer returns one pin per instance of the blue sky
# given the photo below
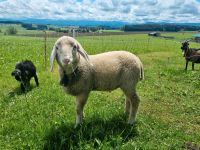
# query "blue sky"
(133, 11)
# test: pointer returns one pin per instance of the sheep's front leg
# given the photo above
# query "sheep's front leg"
(127, 105)
(80, 103)
(186, 64)
(22, 87)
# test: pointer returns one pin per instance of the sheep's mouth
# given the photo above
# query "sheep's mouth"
(18, 78)
(64, 65)
(67, 66)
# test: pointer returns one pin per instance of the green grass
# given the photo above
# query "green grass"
(116, 30)
(182, 35)
(168, 116)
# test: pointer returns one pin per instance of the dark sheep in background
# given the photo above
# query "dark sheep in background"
(190, 54)
(23, 73)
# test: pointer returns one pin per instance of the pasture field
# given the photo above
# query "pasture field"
(43, 118)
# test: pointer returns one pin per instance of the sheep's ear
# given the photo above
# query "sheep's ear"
(53, 56)
(83, 53)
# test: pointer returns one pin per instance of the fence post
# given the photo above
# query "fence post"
(74, 33)
(45, 49)
(148, 43)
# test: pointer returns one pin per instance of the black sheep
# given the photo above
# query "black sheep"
(23, 72)
(190, 54)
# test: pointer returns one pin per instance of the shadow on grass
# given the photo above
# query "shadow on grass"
(18, 91)
(93, 132)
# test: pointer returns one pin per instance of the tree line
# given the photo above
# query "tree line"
(160, 27)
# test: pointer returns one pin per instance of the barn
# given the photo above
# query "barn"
(197, 37)
(154, 34)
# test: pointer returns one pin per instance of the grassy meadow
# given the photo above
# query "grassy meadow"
(168, 115)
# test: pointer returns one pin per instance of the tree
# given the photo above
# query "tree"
(42, 27)
(28, 26)
(11, 30)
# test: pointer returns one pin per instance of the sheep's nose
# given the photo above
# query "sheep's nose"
(13, 73)
(66, 61)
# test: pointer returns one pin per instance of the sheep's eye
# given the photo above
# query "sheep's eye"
(75, 47)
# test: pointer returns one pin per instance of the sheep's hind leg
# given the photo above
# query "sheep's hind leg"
(193, 66)
(36, 80)
(80, 103)
(27, 85)
(134, 103)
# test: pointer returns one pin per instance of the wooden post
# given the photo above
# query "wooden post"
(74, 33)
(45, 49)
(148, 43)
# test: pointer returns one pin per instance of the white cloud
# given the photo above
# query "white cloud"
(135, 11)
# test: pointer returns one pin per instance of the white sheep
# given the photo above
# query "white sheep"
(80, 74)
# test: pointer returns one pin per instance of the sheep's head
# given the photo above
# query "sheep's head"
(20, 73)
(185, 46)
(67, 53)
(17, 74)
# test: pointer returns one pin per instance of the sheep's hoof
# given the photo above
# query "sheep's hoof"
(131, 122)
(77, 125)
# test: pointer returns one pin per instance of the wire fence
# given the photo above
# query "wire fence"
(99, 43)
(136, 43)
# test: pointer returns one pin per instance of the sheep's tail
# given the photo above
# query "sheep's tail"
(141, 71)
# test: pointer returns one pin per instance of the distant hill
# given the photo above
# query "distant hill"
(165, 23)
(190, 24)
(148, 26)
(88, 23)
